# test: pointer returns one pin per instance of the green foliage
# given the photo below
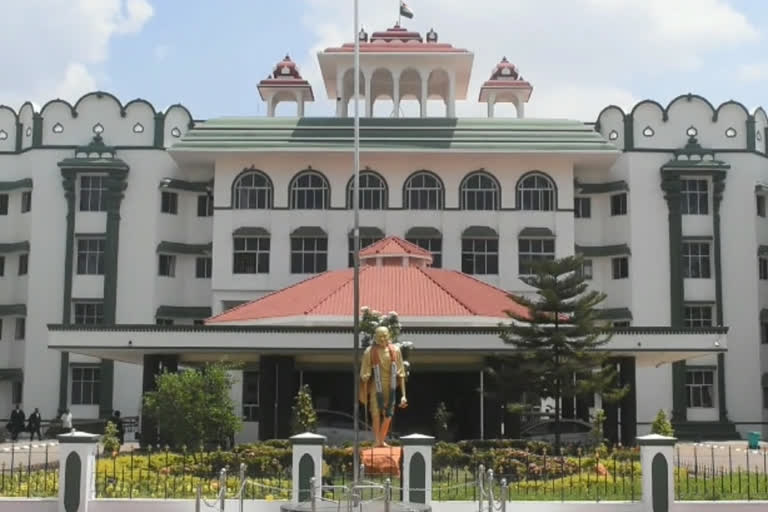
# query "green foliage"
(110, 439)
(443, 419)
(193, 407)
(558, 338)
(304, 417)
(598, 420)
(662, 426)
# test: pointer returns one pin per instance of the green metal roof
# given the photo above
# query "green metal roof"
(393, 134)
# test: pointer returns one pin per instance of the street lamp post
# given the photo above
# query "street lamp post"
(356, 258)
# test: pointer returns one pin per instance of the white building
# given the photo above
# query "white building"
(163, 219)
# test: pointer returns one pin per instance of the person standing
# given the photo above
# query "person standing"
(66, 421)
(17, 422)
(35, 422)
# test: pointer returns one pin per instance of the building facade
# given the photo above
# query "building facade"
(117, 214)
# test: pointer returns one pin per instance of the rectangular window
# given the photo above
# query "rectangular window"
(251, 255)
(1, 328)
(164, 321)
(764, 333)
(760, 205)
(620, 267)
(198, 321)
(3, 204)
(2, 266)
(250, 395)
(698, 316)
(166, 265)
(86, 381)
(169, 203)
(696, 260)
(204, 205)
(26, 201)
(433, 245)
(309, 255)
(532, 250)
(92, 193)
(695, 197)
(582, 207)
(699, 387)
(23, 264)
(619, 204)
(765, 397)
(89, 313)
(21, 328)
(586, 269)
(90, 256)
(203, 268)
(480, 256)
(762, 263)
(364, 242)
(621, 323)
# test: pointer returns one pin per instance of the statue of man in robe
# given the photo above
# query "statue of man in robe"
(381, 370)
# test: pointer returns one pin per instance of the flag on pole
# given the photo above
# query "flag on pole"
(405, 10)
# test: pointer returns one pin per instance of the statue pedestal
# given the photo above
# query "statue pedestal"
(383, 460)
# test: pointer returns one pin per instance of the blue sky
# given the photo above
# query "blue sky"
(580, 55)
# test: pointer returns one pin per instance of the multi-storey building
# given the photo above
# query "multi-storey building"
(119, 223)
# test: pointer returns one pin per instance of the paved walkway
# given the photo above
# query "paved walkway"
(725, 455)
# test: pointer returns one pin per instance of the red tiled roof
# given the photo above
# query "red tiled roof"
(411, 291)
(393, 246)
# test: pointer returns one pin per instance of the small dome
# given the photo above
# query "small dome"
(505, 70)
(286, 68)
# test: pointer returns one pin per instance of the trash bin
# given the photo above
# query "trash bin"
(753, 440)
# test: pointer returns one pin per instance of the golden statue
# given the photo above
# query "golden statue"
(383, 361)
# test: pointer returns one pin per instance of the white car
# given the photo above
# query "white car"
(571, 431)
(338, 428)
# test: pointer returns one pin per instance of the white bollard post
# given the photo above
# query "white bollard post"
(417, 468)
(77, 470)
(307, 463)
(656, 460)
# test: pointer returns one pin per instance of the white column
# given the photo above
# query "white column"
(310, 446)
(417, 487)
(368, 99)
(339, 92)
(520, 109)
(345, 107)
(451, 100)
(300, 108)
(271, 106)
(396, 93)
(657, 448)
(424, 94)
(491, 104)
(77, 471)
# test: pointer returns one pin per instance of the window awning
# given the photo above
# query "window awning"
(597, 251)
(13, 310)
(479, 232)
(536, 233)
(193, 312)
(367, 232)
(250, 231)
(423, 232)
(309, 231)
(14, 247)
(614, 314)
(12, 374)
(180, 248)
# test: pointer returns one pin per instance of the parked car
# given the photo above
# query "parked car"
(571, 431)
(338, 427)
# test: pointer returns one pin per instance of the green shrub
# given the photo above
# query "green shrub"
(303, 416)
(110, 440)
(662, 426)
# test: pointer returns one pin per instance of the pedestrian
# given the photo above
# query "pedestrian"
(17, 422)
(34, 424)
(66, 421)
(115, 419)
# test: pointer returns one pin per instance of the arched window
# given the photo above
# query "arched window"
(536, 191)
(310, 191)
(252, 190)
(423, 191)
(373, 191)
(480, 251)
(479, 191)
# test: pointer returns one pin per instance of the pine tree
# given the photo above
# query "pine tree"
(662, 426)
(560, 337)
(304, 415)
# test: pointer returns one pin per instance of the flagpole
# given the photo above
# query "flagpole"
(356, 258)
(399, 13)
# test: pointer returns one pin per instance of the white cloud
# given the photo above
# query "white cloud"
(580, 55)
(56, 44)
